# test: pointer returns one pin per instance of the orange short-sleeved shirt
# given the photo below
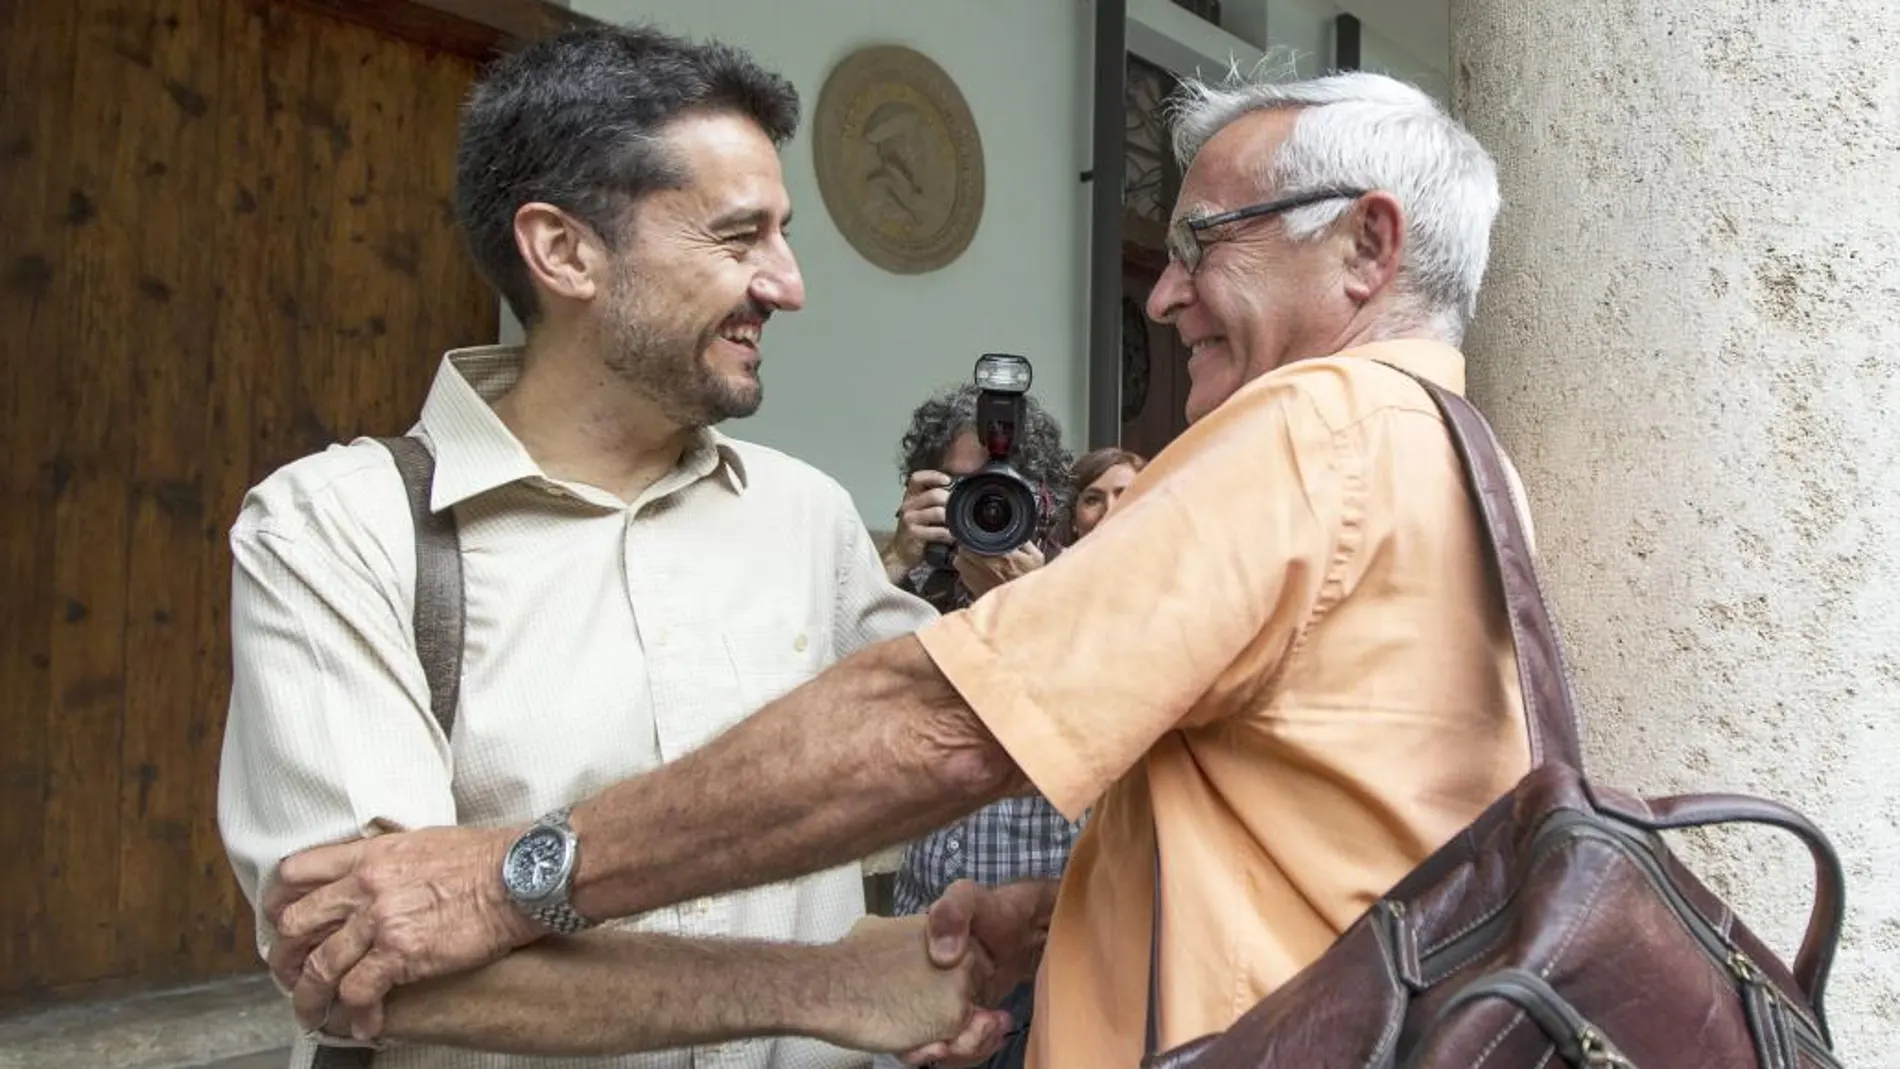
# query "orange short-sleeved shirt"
(1285, 653)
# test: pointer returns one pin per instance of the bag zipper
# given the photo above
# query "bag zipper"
(1770, 1016)
(1577, 1041)
(1552, 835)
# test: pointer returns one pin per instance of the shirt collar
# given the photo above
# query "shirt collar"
(1428, 359)
(475, 452)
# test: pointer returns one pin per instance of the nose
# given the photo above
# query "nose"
(779, 285)
(1173, 291)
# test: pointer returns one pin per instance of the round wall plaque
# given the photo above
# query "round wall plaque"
(899, 162)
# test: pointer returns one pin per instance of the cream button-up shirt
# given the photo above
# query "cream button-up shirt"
(603, 638)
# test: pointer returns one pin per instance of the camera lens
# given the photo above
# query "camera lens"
(992, 513)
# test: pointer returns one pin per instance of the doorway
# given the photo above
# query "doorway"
(1154, 362)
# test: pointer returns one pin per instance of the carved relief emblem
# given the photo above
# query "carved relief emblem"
(899, 162)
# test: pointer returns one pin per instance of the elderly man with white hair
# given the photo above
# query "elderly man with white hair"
(1280, 663)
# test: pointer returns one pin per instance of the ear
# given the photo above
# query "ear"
(565, 257)
(1378, 246)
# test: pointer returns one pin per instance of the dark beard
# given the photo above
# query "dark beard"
(674, 372)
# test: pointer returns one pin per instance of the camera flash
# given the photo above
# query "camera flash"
(1003, 373)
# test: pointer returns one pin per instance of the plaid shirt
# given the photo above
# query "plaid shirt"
(1014, 839)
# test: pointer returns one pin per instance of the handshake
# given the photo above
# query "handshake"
(405, 936)
(978, 944)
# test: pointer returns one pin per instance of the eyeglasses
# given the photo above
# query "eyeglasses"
(1184, 235)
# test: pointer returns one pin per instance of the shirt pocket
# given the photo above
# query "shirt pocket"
(772, 656)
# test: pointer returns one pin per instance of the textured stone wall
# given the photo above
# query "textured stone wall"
(1690, 341)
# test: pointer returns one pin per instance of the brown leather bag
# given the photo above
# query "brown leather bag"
(1558, 928)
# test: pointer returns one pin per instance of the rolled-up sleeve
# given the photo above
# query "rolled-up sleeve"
(1219, 552)
(329, 736)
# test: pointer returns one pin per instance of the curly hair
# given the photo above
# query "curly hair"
(1038, 454)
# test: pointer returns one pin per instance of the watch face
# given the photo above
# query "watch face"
(535, 863)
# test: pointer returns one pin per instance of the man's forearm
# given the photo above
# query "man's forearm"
(613, 992)
(873, 753)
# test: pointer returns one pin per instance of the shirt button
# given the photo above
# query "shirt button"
(954, 845)
(799, 643)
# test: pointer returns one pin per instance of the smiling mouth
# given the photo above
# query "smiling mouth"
(1198, 347)
(745, 335)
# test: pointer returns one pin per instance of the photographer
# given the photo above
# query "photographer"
(1017, 838)
(941, 445)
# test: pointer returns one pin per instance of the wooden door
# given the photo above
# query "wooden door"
(227, 243)
(1154, 362)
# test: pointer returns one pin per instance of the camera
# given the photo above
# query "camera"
(994, 510)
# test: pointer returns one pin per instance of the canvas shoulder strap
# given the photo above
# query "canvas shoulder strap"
(439, 612)
(438, 623)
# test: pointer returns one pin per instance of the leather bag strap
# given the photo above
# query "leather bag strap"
(1549, 708)
(1548, 704)
(439, 630)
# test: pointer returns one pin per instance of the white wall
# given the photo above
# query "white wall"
(842, 376)
(1687, 340)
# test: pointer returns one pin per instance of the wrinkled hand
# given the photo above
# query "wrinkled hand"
(356, 919)
(1009, 924)
(983, 574)
(893, 996)
(920, 519)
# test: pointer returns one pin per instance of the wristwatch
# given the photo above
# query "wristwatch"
(538, 873)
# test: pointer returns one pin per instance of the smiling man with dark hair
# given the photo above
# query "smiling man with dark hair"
(634, 583)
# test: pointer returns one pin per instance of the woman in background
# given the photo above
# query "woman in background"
(1099, 478)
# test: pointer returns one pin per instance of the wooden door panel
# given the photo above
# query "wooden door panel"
(229, 244)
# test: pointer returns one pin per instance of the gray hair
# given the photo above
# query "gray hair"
(1368, 131)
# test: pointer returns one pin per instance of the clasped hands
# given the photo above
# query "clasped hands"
(356, 920)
